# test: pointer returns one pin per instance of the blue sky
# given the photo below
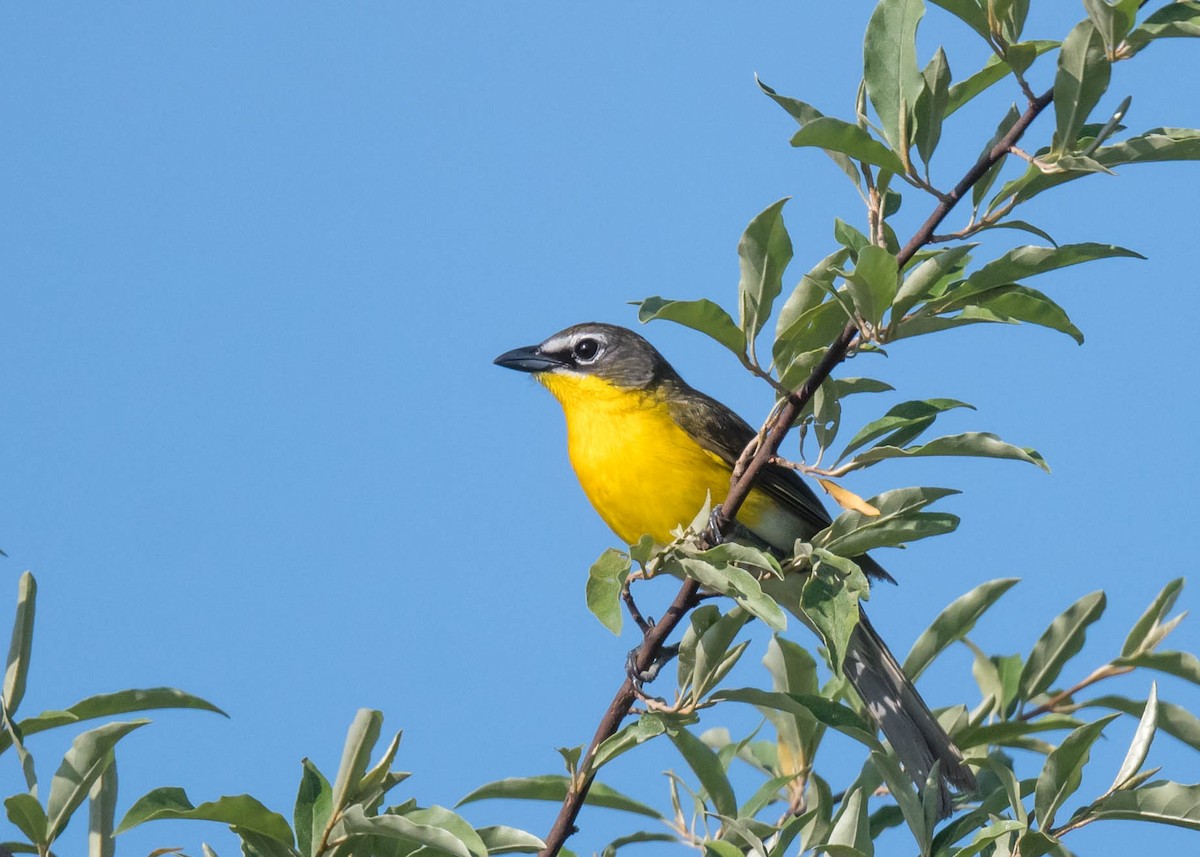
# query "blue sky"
(257, 261)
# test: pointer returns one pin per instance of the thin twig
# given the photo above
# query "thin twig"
(772, 436)
(1099, 674)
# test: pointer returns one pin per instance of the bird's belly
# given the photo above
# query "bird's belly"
(646, 476)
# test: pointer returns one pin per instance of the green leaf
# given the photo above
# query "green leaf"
(22, 644)
(356, 755)
(1060, 642)
(835, 715)
(1159, 144)
(708, 770)
(554, 788)
(931, 105)
(1161, 802)
(764, 251)
(954, 623)
(890, 70)
(241, 811)
(793, 670)
(605, 579)
(1006, 731)
(707, 653)
(102, 808)
(903, 423)
(702, 315)
(993, 71)
(376, 782)
(716, 570)
(1141, 635)
(1063, 770)
(921, 279)
(998, 678)
(1185, 665)
(1139, 747)
(987, 836)
(509, 840)
(812, 331)
(851, 827)
(254, 844)
(1023, 226)
(424, 836)
(109, 705)
(1173, 719)
(88, 757)
(873, 282)
(439, 817)
(1035, 843)
(804, 113)
(314, 804)
(838, 136)
(1022, 303)
(829, 600)
(1173, 20)
(649, 725)
(1113, 22)
(1028, 261)
(27, 814)
(810, 291)
(1083, 74)
(900, 521)
(974, 443)
(980, 190)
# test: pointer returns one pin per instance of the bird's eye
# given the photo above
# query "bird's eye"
(586, 350)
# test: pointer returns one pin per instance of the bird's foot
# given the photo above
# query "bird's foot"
(639, 677)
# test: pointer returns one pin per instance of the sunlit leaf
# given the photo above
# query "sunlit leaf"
(88, 757)
(838, 136)
(1083, 74)
(1060, 642)
(605, 579)
(902, 424)
(764, 251)
(1063, 770)
(1139, 747)
(1162, 802)
(314, 803)
(1172, 20)
(708, 770)
(19, 649)
(976, 444)
(554, 788)
(702, 315)
(1143, 630)
(893, 79)
(509, 840)
(240, 811)
(954, 623)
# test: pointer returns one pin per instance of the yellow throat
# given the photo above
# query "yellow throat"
(640, 470)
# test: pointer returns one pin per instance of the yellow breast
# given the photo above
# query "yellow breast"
(640, 470)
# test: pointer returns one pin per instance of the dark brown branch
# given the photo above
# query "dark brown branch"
(772, 437)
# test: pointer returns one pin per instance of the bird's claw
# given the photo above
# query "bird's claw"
(640, 677)
(714, 526)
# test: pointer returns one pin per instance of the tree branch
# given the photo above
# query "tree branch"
(772, 436)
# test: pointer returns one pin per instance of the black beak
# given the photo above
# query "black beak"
(527, 359)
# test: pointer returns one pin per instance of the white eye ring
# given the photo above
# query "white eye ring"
(586, 349)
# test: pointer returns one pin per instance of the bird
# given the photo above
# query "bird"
(649, 450)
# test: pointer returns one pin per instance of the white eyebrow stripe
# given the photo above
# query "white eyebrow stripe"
(567, 343)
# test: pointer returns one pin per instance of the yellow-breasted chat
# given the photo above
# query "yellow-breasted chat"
(649, 450)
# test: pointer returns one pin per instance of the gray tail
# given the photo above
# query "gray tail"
(903, 716)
